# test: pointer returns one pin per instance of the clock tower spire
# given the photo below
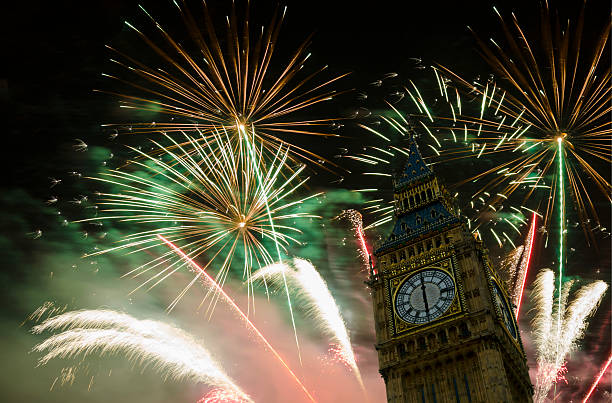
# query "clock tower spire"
(445, 329)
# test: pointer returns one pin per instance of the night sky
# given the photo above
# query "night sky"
(53, 59)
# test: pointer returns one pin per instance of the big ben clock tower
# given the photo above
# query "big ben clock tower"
(445, 329)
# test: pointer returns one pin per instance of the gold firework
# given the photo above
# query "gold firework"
(225, 78)
(554, 105)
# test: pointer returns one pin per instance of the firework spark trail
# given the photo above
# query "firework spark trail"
(509, 267)
(320, 304)
(237, 309)
(356, 221)
(216, 201)
(542, 295)
(147, 343)
(524, 267)
(596, 382)
(222, 396)
(560, 152)
(573, 319)
(223, 83)
(360, 234)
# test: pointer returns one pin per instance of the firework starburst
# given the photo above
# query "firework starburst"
(223, 77)
(551, 103)
(220, 204)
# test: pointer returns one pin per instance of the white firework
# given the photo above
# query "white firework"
(310, 288)
(558, 327)
(173, 353)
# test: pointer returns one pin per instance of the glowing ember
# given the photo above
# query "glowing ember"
(222, 396)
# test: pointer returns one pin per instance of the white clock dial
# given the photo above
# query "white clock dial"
(424, 296)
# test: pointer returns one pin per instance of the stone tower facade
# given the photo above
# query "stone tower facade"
(445, 329)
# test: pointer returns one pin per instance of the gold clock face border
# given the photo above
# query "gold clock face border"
(398, 325)
(414, 273)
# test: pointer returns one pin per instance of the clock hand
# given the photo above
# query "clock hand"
(424, 294)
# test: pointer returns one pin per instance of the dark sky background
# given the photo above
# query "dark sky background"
(53, 54)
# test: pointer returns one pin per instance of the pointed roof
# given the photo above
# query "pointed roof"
(414, 169)
(433, 216)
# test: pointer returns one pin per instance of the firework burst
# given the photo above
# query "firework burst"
(214, 202)
(555, 107)
(230, 83)
(164, 348)
(421, 113)
(548, 122)
(379, 207)
(555, 343)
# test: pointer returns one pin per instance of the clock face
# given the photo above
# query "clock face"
(507, 315)
(424, 296)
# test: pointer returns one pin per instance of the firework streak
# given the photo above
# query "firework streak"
(356, 220)
(167, 349)
(319, 302)
(524, 266)
(573, 319)
(599, 376)
(233, 305)
(560, 152)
